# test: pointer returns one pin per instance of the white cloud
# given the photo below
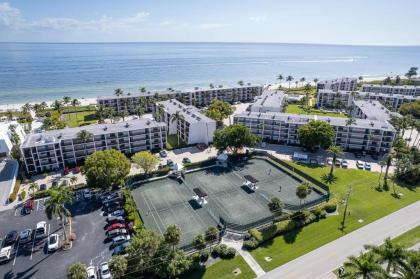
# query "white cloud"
(259, 18)
(10, 17)
(166, 23)
(210, 25)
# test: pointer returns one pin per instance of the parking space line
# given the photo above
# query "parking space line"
(16, 253)
(32, 249)
(16, 211)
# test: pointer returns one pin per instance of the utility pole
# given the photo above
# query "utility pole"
(349, 189)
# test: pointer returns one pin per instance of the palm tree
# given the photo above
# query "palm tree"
(33, 187)
(57, 105)
(382, 164)
(75, 103)
(410, 268)
(55, 205)
(280, 78)
(101, 113)
(289, 79)
(142, 89)
(391, 253)
(26, 108)
(84, 136)
(118, 92)
(43, 105)
(296, 83)
(66, 100)
(176, 117)
(364, 266)
(307, 90)
(316, 80)
(350, 121)
(9, 115)
(302, 80)
(335, 151)
(123, 114)
(139, 111)
(389, 158)
(241, 83)
(303, 190)
(73, 179)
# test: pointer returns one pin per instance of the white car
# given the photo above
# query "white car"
(104, 272)
(338, 162)
(53, 242)
(119, 212)
(368, 166)
(120, 239)
(360, 164)
(344, 164)
(87, 194)
(41, 230)
(91, 274)
(5, 254)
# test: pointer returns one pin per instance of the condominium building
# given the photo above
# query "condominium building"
(53, 150)
(368, 135)
(392, 89)
(196, 97)
(334, 99)
(269, 101)
(191, 125)
(6, 137)
(372, 110)
(347, 84)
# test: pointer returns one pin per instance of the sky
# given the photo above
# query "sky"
(356, 22)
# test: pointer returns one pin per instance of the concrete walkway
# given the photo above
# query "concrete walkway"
(245, 254)
(320, 262)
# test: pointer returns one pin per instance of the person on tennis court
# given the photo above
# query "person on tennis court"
(280, 189)
(269, 171)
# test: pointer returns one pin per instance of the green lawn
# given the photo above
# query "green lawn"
(80, 118)
(223, 270)
(297, 109)
(172, 142)
(410, 238)
(366, 204)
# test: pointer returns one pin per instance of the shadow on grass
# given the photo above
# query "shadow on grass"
(196, 273)
(329, 179)
(290, 237)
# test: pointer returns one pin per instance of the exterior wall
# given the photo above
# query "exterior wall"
(391, 89)
(346, 84)
(57, 155)
(348, 137)
(331, 99)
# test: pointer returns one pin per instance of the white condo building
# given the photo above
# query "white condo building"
(392, 89)
(347, 84)
(6, 137)
(192, 127)
(269, 101)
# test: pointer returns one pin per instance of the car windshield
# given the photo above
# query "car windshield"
(105, 270)
(53, 239)
(40, 230)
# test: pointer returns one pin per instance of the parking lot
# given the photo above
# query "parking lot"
(32, 260)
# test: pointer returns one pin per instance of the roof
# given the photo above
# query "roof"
(374, 110)
(54, 136)
(303, 119)
(200, 192)
(250, 178)
(343, 79)
(391, 86)
(190, 113)
(384, 95)
(268, 99)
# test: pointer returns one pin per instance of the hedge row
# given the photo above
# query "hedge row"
(141, 176)
(201, 164)
(16, 188)
(131, 211)
(296, 220)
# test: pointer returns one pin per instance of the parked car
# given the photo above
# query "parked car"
(112, 204)
(169, 163)
(116, 232)
(344, 164)
(41, 230)
(107, 197)
(161, 166)
(119, 212)
(53, 242)
(10, 238)
(76, 170)
(163, 153)
(87, 194)
(120, 239)
(360, 164)
(28, 206)
(115, 226)
(5, 254)
(25, 236)
(375, 157)
(358, 155)
(115, 219)
(118, 250)
(91, 274)
(329, 162)
(368, 166)
(113, 208)
(186, 160)
(43, 187)
(54, 184)
(338, 162)
(103, 271)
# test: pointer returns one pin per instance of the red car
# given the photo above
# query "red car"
(66, 171)
(115, 226)
(76, 170)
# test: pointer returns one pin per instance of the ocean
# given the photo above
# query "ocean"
(31, 72)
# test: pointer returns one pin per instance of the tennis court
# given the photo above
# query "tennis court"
(165, 202)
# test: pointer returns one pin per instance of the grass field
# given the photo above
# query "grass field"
(366, 204)
(223, 270)
(299, 110)
(410, 238)
(80, 118)
(172, 142)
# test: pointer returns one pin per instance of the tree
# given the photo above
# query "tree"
(66, 100)
(142, 89)
(106, 168)
(397, 80)
(145, 160)
(172, 235)
(234, 137)
(307, 90)
(388, 159)
(391, 253)
(26, 108)
(289, 79)
(84, 136)
(33, 187)
(123, 114)
(199, 242)
(56, 205)
(118, 265)
(411, 108)
(387, 80)
(316, 134)
(212, 233)
(219, 110)
(241, 83)
(411, 72)
(335, 151)
(177, 263)
(77, 271)
(177, 117)
(58, 105)
(280, 78)
(74, 104)
(118, 92)
(316, 80)
(73, 179)
(364, 266)
(410, 268)
(303, 190)
(139, 110)
(382, 164)
(275, 205)
(302, 79)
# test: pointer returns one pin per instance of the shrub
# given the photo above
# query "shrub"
(22, 195)
(40, 194)
(204, 255)
(229, 253)
(12, 197)
(285, 226)
(300, 216)
(224, 252)
(219, 250)
(251, 244)
(201, 164)
(319, 213)
(130, 209)
(256, 234)
(15, 192)
(331, 206)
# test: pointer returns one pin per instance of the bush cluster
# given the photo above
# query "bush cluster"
(330, 206)
(224, 252)
(131, 211)
(141, 176)
(15, 192)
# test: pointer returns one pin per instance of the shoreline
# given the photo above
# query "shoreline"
(92, 100)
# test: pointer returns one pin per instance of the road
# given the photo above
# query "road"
(328, 257)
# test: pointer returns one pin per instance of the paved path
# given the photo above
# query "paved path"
(245, 255)
(320, 262)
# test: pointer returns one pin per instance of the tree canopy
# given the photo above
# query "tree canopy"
(145, 160)
(234, 137)
(316, 134)
(411, 108)
(219, 110)
(107, 168)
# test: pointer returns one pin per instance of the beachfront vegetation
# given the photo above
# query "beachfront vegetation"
(302, 240)
(107, 168)
(316, 134)
(234, 138)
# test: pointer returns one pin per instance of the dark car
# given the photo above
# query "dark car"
(375, 157)
(28, 206)
(358, 155)
(186, 160)
(25, 236)
(118, 250)
(169, 163)
(43, 187)
(10, 238)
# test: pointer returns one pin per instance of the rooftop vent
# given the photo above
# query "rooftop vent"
(127, 125)
(148, 122)
(105, 128)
